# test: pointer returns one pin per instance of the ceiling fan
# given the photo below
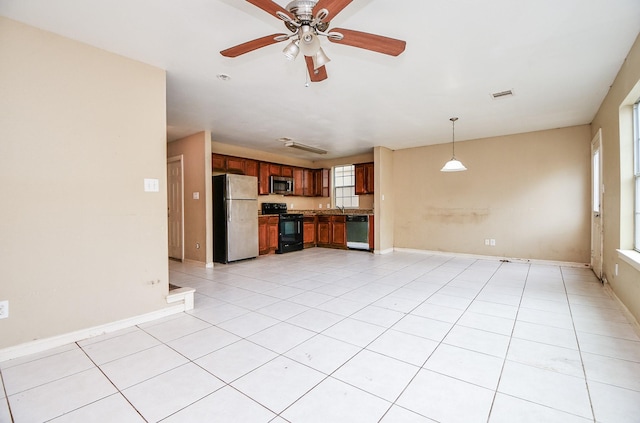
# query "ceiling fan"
(307, 20)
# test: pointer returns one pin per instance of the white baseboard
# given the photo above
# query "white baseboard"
(511, 259)
(40, 345)
(387, 251)
(630, 317)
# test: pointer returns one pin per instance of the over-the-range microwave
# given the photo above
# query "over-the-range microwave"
(281, 185)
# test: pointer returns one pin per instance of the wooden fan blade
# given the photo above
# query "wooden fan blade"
(250, 46)
(270, 7)
(372, 42)
(333, 6)
(315, 75)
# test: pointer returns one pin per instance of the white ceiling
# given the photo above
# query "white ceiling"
(558, 56)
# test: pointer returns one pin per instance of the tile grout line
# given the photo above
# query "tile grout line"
(504, 361)
(575, 332)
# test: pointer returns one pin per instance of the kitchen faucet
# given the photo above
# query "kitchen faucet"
(341, 209)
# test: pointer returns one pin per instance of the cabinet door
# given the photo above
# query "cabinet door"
(317, 182)
(235, 165)
(275, 169)
(263, 235)
(273, 233)
(308, 183)
(326, 184)
(372, 230)
(339, 232)
(218, 163)
(309, 232)
(298, 181)
(364, 178)
(263, 178)
(324, 231)
(286, 171)
(360, 179)
(251, 167)
(369, 178)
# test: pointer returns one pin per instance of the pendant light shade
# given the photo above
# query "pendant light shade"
(320, 59)
(309, 42)
(291, 50)
(453, 165)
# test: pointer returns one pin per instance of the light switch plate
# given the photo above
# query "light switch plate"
(4, 309)
(151, 185)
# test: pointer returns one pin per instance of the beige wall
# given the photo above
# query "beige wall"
(385, 199)
(196, 155)
(529, 192)
(614, 118)
(80, 129)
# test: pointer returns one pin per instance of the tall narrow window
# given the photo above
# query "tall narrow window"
(636, 167)
(344, 182)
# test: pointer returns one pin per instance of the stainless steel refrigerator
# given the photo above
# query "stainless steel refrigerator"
(235, 217)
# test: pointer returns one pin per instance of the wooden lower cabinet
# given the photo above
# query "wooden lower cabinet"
(267, 234)
(324, 231)
(309, 229)
(339, 232)
(332, 231)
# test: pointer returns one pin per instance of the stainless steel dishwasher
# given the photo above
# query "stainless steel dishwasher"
(358, 231)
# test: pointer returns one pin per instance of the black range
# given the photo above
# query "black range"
(290, 227)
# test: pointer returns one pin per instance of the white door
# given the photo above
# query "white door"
(597, 190)
(175, 208)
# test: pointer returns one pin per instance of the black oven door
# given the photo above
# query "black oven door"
(291, 237)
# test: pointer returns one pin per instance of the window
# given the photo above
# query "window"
(344, 183)
(636, 167)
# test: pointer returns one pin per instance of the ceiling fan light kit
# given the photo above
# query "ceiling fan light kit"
(306, 27)
(453, 165)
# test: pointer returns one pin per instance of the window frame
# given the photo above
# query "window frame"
(636, 174)
(339, 183)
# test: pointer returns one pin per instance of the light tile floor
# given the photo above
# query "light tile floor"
(345, 336)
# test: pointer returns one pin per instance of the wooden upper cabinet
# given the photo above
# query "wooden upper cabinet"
(263, 178)
(219, 162)
(364, 178)
(326, 183)
(308, 183)
(251, 167)
(286, 171)
(275, 169)
(235, 165)
(298, 181)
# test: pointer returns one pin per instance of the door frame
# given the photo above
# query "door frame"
(597, 215)
(170, 160)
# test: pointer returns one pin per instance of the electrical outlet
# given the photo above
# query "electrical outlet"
(319, 206)
(4, 309)
(486, 242)
(492, 242)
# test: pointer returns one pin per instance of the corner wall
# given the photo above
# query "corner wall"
(530, 192)
(82, 243)
(198, 220)
(615, 119)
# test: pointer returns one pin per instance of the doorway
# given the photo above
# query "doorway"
(175, 207)
(597, 190)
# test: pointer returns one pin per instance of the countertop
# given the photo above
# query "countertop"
(332, 212)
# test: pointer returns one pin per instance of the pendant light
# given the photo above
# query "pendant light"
(453, 165)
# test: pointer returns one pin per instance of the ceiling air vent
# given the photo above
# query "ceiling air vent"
(502, 94)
